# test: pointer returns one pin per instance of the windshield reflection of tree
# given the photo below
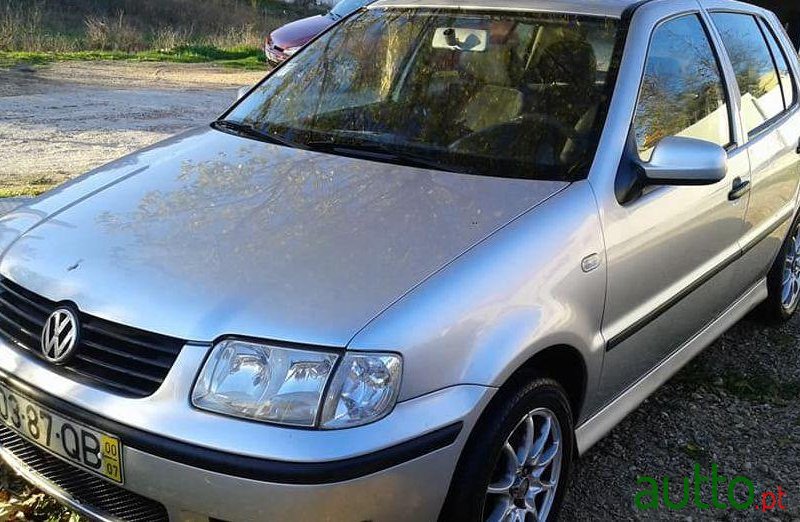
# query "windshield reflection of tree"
(521, 99)
(344, 82)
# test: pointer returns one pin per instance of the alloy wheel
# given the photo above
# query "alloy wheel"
(525, 478)
(790, 286)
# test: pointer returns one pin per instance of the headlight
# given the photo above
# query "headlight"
(289, 51)
(262, 382)
(287, 385)
(364, 390)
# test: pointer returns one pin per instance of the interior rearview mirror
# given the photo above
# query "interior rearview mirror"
(685, 161)
(460, 39)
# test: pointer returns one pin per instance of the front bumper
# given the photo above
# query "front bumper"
(159, 490)
(345, 474)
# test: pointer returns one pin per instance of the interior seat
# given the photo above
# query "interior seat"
(495, 101)
(567, 70)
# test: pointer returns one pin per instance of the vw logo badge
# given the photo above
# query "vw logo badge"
(60, 335)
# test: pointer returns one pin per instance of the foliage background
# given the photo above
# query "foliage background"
(37, 31)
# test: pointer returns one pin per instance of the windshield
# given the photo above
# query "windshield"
(513, 95)
(345, 7)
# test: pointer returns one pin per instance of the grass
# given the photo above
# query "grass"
(758, 388)
(33, 187)
(694, 451)
(761, 388)
(27, 190)
(241, 58)
(227, 32)
(780, 338)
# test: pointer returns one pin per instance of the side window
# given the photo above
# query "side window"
(784, 73)
(682, 91)
(759, 83)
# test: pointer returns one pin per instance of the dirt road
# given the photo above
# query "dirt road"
(61, 120)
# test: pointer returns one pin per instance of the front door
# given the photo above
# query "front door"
(669, 249)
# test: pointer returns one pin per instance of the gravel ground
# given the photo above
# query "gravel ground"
(735, 406)
(62, 120)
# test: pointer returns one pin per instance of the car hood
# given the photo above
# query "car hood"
(208, 234)
(300, 31)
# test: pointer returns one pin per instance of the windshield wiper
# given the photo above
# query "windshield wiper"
(246, 130)
(379, 151)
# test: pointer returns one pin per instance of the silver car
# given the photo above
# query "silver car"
(412, 274)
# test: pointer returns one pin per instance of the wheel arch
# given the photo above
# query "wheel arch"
(563, 363)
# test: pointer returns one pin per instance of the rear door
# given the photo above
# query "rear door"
(765, 75)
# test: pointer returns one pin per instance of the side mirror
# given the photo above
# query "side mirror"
(242, 92)
(685, 161)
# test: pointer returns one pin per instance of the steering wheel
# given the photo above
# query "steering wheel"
(484, 136)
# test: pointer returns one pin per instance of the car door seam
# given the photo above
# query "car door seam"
(641, 323)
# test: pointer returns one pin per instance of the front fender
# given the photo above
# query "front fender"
(516, 293)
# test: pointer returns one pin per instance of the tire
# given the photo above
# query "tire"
(777, 308)
(486, 461)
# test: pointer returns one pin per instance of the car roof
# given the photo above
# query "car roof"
(607, 8)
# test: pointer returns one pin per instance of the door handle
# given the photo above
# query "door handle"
(740, 188)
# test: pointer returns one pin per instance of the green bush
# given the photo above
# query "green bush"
(60, 26)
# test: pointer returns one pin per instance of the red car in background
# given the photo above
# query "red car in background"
(286, 40)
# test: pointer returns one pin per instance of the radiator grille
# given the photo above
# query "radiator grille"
(87, 489)
(123, 360)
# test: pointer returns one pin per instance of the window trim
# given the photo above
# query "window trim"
(774, 62)
(770, 31)
(732, 144)
(765, 127)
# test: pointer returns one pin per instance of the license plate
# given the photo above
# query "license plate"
(76, 443)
